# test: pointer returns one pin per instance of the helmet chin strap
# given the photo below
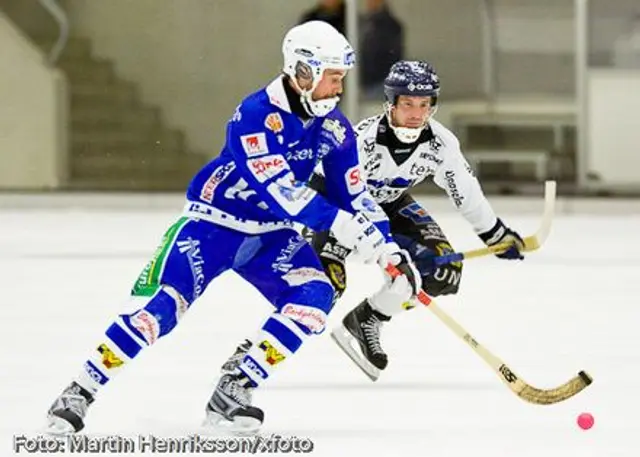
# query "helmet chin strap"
(315, 108)
(406, 135)
(318, 108)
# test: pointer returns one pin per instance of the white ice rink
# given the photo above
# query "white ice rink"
(573, 305)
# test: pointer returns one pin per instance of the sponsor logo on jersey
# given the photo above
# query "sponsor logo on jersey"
(419, 170)
(109, 359)
(218, 175)
(435, 144)
(254, 144)
(292, 195)
(355, 185)
(272, 355)
(313, 318)
(267, 167)
(450, 178)
(334, 127)
(146, 323)
(431, 157)
(300, 276)
(369, 147)
(274, 122)
(373, 163)
(300, 154)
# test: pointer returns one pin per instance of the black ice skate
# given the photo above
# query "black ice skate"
(362, 325)
(66, 415)
(236, 359)
(230, 406)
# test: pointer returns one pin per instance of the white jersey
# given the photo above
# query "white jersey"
(435, 155)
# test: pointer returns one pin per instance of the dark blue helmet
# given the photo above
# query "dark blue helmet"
(411, 77)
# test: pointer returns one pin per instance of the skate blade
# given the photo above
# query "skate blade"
(57, 426)
(240, 426)
(345, 341)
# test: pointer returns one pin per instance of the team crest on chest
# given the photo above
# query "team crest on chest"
(274, 122)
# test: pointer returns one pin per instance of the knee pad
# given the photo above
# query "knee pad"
(157, 315)
(309, 305)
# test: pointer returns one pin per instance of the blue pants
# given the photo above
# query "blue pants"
(280, 264)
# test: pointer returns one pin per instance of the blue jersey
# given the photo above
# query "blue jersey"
(259, 181)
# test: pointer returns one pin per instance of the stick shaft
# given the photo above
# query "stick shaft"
(531, 243)
(514, 382)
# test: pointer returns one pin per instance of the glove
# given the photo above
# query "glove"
(500, 233)
(393, 297)
(399, 258)
(436, 280)
(357, 232)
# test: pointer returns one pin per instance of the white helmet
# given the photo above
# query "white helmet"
(309, 49)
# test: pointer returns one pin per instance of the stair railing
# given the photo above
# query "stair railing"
(60, 16)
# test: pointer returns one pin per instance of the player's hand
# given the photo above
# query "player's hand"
(399, 258)
(394, 296)
(499, 234)
(357, 232)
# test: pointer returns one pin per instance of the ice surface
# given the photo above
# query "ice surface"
(572, 305)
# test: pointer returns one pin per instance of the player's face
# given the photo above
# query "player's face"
(411, 111)
(330, 85)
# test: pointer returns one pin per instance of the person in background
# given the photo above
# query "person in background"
(331, 11)
(381, 44)
(626, 50)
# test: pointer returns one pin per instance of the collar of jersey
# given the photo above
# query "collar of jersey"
(285, 98)
(277, 94)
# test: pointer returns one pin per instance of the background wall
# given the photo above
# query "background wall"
(32, 110)
(191, 62)
(196, 63)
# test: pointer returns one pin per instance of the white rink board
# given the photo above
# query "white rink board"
(65, 273)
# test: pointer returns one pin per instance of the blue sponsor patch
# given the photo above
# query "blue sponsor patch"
(95, 373)
(416, 213)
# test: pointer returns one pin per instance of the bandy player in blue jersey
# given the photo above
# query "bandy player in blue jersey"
(239, 215)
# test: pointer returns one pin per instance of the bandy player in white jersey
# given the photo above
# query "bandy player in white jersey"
(398, 149)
